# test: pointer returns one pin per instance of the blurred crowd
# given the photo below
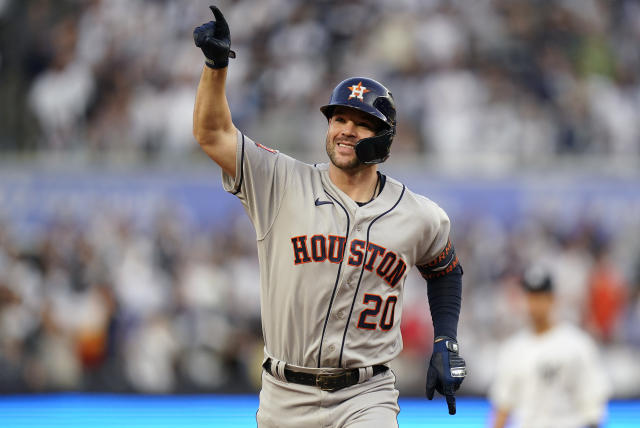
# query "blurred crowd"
(107, 304)
(511, 81)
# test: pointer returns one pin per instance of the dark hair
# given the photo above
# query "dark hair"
(537, 279)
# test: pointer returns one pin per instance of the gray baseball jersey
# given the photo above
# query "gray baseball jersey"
(332, 272)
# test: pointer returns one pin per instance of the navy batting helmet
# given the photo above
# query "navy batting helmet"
(371, 97)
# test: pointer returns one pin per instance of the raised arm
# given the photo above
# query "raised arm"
(212, 124)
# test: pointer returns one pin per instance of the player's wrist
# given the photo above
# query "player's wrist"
(448, 342)
(216, 64)
(447, 360)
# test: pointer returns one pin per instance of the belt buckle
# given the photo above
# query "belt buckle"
(330, 381)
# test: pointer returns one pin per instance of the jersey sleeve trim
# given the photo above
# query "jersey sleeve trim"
(237, 189)
(233, 184)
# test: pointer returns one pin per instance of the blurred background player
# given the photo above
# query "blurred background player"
(550, 375)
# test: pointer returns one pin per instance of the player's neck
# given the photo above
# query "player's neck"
(359, 185)
(542, 326)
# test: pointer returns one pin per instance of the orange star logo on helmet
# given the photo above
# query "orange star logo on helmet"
(358, 91)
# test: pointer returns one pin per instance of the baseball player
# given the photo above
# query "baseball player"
(335, 242)
(549, 376)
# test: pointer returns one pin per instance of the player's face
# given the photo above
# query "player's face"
(346, 127)
(540, 306)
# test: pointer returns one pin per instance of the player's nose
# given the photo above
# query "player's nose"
(349, 128)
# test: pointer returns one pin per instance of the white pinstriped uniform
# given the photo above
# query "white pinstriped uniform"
(551, 380)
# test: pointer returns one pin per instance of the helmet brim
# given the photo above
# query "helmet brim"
(328, 110)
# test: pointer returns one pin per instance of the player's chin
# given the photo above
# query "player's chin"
(344, 162)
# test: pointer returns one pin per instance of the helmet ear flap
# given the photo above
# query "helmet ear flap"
(386, 106)
(375, 149)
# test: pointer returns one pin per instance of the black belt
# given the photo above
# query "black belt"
(326, 382)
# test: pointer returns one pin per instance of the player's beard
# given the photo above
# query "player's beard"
(345, 164)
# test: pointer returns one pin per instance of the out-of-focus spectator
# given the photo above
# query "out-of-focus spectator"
(60, 96)
(631, 317)
(607, 298)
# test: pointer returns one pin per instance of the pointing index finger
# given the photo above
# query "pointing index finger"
(217, 14)
(451, 402)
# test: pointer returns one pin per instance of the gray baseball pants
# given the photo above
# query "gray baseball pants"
(371, 404)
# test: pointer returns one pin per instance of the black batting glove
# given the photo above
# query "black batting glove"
(446, 371)
(214, 39)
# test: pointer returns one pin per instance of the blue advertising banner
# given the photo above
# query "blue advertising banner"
(32, 197)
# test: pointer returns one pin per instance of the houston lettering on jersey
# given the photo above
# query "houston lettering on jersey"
(319, 248)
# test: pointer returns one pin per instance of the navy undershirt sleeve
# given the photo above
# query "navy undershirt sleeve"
(445, 300)
(444, 289)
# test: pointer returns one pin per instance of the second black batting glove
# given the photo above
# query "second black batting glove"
(214, 39)
(446, 371)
